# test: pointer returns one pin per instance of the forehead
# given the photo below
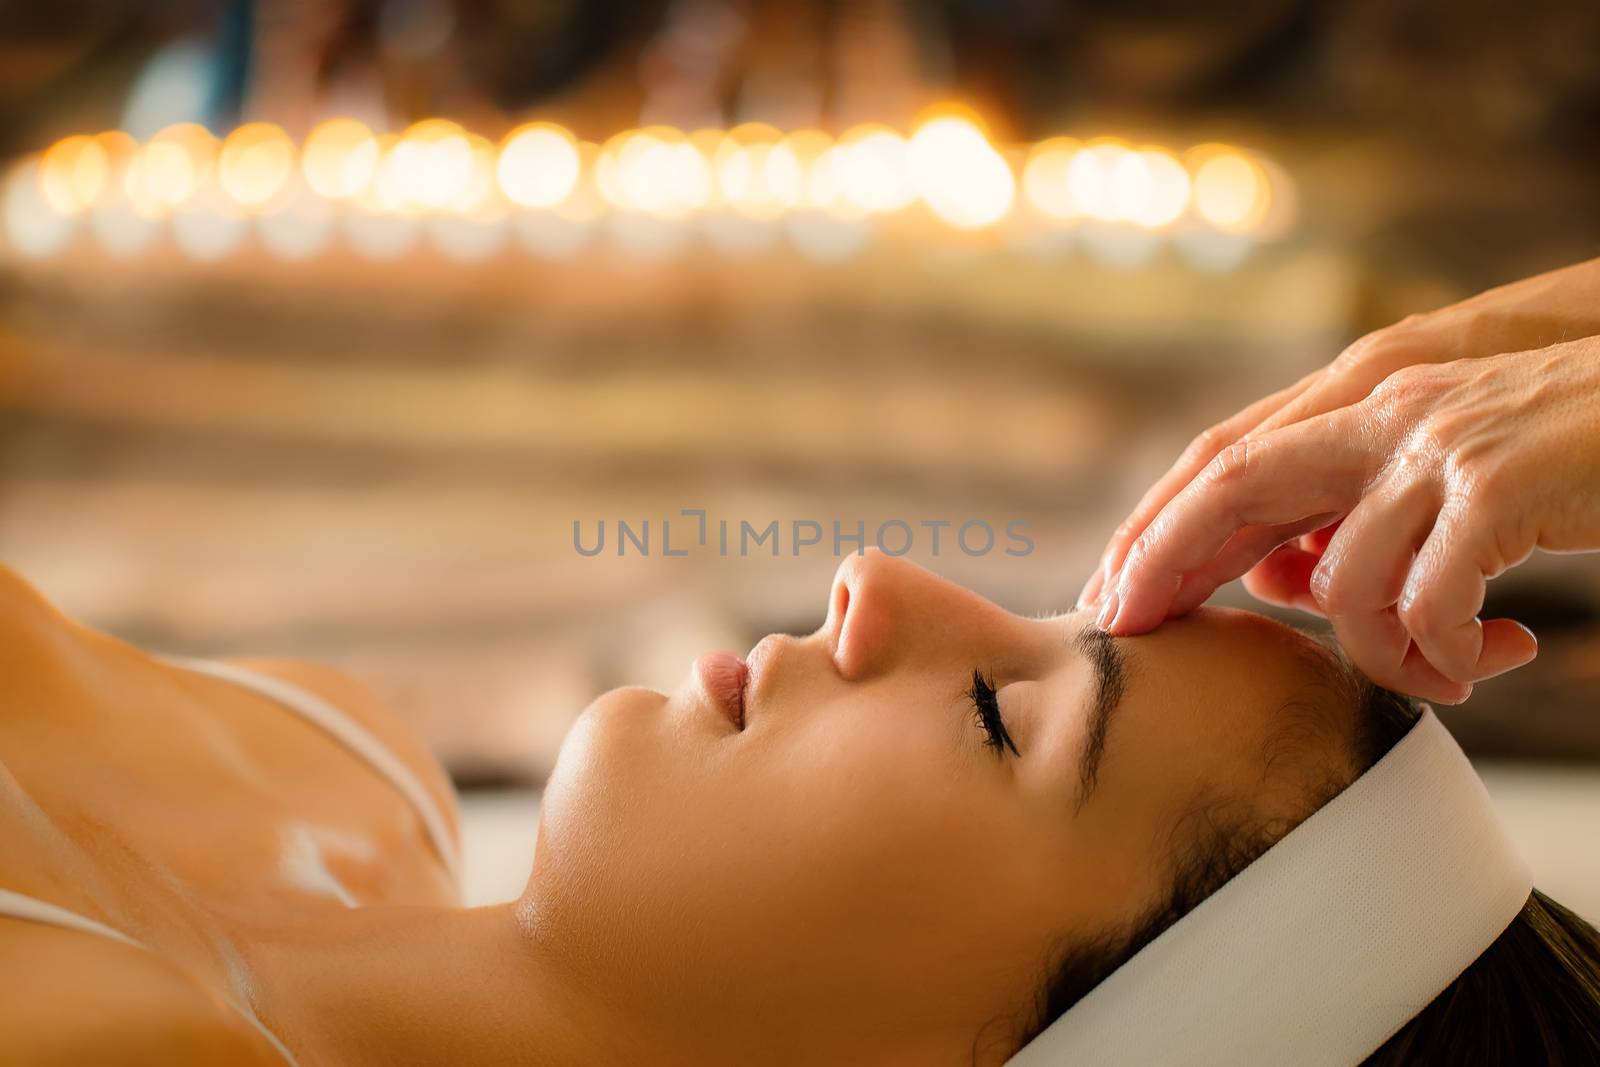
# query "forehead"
(1208, 639)
(1205, 693)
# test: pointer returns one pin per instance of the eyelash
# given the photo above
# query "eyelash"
(986, 710)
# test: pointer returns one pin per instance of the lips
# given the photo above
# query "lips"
(723, 676)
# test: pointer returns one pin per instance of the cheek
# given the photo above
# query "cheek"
(910, 869)
(888, 825)
(880, 788)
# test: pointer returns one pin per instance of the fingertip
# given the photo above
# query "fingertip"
(1128, 618)
(1423, 679)
(1450, 693)
(1507, 645)
(1533, 639)
(1106, 620)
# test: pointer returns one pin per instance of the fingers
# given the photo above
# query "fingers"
(1244, 550)
(1391, 543)
(1347, 382)
(1284, 578)
(1401, 667)
(1419, 678)
(1201, 451)
(1442, 597)
(1318, 467)
(1316, 542)
(1361, 575)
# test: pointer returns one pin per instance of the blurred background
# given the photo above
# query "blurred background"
(342, 329)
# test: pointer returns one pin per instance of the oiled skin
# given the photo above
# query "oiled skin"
(103, 754)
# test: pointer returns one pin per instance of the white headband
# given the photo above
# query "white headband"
(1325, 946)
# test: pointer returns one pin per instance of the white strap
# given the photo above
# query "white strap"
(14, 905)
(1326, 945)
(353, 736)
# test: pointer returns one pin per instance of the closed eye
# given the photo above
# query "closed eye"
(986, 711)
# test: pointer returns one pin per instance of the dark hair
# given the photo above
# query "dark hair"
(1532, 997)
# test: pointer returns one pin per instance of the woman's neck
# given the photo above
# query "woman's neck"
(387, 985)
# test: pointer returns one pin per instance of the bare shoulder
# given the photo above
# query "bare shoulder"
(25, 615)
(71, 998)
(359, 702)
(41, 649)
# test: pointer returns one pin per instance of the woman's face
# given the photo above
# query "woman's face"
(860, 873)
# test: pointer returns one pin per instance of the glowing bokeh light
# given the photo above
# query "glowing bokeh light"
(255, 163)
(481, 193)
(339, 158)
(649, 189)
(808, 147)
(170, 170)
(958, 173)
(33, 226)
(431, 166)
(873, 170)
(539, 165)
(1129, 187)
(1044, 177)
(657, 171)
(761, 180)
(73, 174)
(1166, 193)
(1230, 189)
(389, 190)
(1092, 178)
(825, 182)
(759, 172)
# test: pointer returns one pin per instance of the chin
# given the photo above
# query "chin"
(605, 745)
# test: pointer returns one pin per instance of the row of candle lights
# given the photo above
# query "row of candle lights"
(543, 183)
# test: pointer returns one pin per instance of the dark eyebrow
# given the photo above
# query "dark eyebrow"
(1110, 672)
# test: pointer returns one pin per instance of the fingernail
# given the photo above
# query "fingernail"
(1531, 637)
(1108, 610)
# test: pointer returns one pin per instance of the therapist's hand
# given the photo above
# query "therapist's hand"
(1443, 476)
(1532, 313)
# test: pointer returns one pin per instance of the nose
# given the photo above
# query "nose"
(884, 611)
